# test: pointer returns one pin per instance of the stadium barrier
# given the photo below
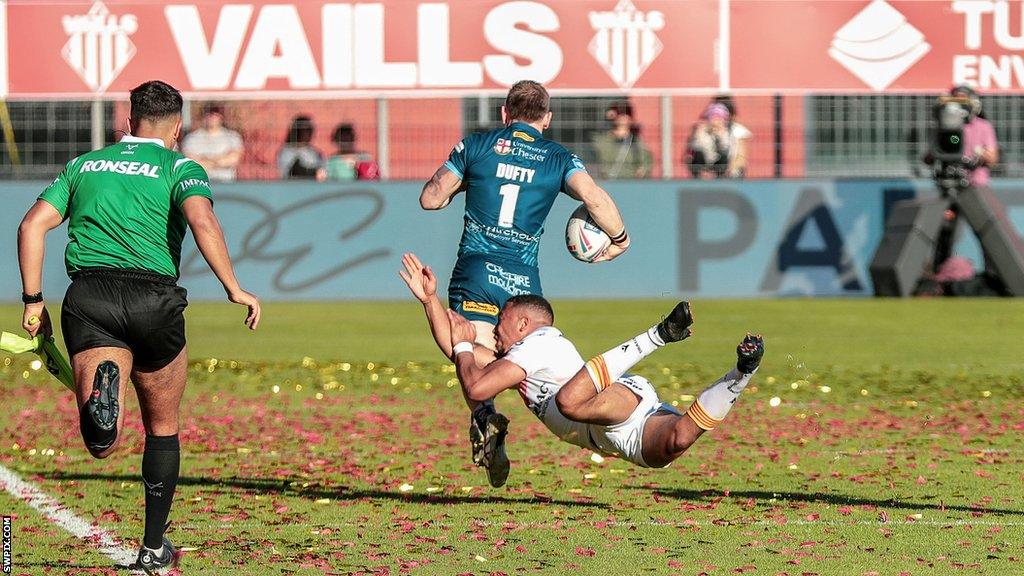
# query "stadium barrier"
(308, 241)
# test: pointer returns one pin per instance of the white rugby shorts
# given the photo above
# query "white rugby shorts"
(625, 439)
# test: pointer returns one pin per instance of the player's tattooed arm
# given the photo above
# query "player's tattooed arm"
(438, 191)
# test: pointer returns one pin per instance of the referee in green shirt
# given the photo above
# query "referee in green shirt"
(127, 206)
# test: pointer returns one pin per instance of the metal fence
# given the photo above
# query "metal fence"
(792, 136)
(888, 135)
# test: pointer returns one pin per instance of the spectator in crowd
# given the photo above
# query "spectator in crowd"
(710, 144)
(348, 164)
(298, 159)
(619, 151)
(981, 150)
(215, 147)
(740, 136)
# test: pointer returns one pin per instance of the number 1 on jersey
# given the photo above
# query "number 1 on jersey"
(509, 197)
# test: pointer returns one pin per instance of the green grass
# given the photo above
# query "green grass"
(911, 462)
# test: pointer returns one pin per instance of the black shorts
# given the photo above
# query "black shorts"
(140, 311)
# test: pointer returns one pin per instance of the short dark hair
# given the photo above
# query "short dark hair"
(300, 131)
(213, 109)
(527, 100)
(535, 303)
(344, 137)
(965, 89)
(622, 107)
(154, 101)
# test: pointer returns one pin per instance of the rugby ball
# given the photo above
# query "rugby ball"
(583, 237)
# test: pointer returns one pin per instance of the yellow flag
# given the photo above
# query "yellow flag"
(47, 351)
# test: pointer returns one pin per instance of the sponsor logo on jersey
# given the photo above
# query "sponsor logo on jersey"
(513, 284)
(512, 234)
(519, 148)
(121, 167)
(98, 46)
(625, 43)
(527, 152)
(480, 308)
(502, 146)
(193, 182)
(538, 407)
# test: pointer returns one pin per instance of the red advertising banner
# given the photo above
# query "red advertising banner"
(879, 45)
(304, 47)
(301, 48)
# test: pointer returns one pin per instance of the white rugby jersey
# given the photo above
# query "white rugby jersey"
(550, 360)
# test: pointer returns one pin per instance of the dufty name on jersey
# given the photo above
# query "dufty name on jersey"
(513, 172)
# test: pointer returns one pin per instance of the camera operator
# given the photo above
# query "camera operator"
(981, 151)
(963, 152)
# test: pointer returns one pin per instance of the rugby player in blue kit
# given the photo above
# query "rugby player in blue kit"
(511, 177)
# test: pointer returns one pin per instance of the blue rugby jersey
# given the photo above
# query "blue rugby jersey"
(513, 176)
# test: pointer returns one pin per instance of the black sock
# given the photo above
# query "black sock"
(481, 412)
(159, 478)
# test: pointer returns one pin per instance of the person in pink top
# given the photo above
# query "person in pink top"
(980, 145)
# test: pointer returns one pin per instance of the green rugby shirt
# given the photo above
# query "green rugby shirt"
(123, 206)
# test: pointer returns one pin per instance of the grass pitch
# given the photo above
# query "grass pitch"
(333, 441)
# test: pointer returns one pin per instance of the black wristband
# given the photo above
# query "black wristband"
(31, 298)
(620, 238)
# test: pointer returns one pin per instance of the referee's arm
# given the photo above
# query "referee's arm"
(39, 220)
(209, 237)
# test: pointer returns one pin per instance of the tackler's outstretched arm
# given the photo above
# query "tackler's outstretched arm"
(423, 284)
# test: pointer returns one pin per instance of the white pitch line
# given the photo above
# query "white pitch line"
(63, 517)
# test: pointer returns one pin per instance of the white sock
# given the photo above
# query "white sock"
(714, 403)
(610, 366)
